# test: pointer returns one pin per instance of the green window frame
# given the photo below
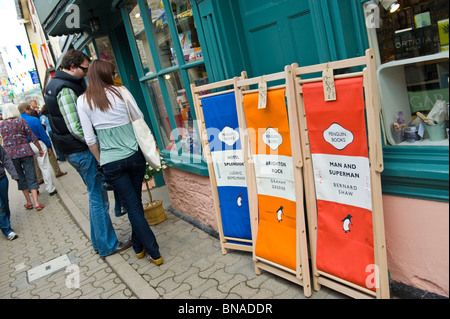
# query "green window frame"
(177, 158)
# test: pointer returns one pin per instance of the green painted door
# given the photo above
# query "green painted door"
(278, 33)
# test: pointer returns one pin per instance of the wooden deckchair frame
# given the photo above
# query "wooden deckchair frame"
(236, 243)
(301, 275)
(376, 167)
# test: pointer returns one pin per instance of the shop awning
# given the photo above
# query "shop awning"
(71, 16)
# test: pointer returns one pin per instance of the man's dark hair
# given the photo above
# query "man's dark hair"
(74, 57)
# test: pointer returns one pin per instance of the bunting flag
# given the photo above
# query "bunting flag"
(19, 47)
(34, 49)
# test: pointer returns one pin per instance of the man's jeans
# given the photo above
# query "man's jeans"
(4, 207)
(103, 236)
(126, 177)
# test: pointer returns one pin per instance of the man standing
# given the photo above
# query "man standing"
(61, 96)
(42, 161)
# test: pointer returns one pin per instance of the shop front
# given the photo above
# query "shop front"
(161, 47)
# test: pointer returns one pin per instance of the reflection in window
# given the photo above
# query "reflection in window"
(197, 75)
(161, 34)
(182, 114)
(140, 36)
(162, 118)
(414, 72)
(91, 49)
(105, 52)
(414, 30)
(187, 33)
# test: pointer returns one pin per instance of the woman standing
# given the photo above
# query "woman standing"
(102, 108)
(15, 132)
(5, 213)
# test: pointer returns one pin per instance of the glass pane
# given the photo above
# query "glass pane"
(161, 34)
(414, 84)
(181, 111)
(148, 66)
(92, 52)
(197, 75)
(105, 52)
(162, 118)
(187, 33)
(416, 29)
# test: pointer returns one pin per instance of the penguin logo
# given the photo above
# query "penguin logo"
(279, 213)
(347, 222)
(239, 200)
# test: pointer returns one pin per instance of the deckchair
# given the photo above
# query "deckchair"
(221, 139)
(338, 115)
(275, 182)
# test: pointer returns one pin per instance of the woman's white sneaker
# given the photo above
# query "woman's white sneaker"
(12, 235)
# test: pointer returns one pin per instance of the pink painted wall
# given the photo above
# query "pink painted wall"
(191, 195)
(417, 231)
(417, 241)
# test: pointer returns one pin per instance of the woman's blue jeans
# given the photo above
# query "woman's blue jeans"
(126, 177)
(103, 236)
(5, 213)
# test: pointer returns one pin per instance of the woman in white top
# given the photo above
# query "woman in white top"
(114, 145)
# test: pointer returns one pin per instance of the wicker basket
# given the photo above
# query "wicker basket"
(154, 212)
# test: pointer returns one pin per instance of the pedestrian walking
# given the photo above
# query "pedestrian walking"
(61, 100)
(34, 108)
(103, 109)
(39, 131)
(5, 213)
(16, 132)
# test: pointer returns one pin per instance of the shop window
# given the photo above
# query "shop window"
(181, 110)
(92, 52)
(162, 117)
(140, 36)
(187, 33)
(166, 31)
(105, 52)
(413, 73)
(161, 34)
(198, 75)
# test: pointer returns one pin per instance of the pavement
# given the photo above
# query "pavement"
(53, 257)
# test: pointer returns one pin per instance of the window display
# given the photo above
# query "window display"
(187, 33)
(414, 72)
(169, 75)
(134, 13)
(162, 118)
(198, 75)
(182, 113)
(413, 30)
(106, 52)
(161, 34)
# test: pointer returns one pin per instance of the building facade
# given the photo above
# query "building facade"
(161, 47)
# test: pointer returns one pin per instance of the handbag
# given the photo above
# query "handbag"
(142, 132)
